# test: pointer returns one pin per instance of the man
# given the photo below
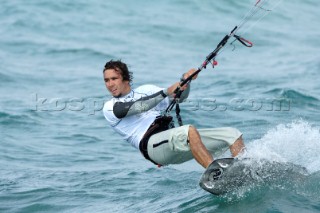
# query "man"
(136, 115)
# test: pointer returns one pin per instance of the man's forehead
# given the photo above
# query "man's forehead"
(111, 73)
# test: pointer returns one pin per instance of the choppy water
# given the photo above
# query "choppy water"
(57, 153)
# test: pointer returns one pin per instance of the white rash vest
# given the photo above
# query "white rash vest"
(132, 124)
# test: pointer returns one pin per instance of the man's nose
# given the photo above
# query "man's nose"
(110, 84)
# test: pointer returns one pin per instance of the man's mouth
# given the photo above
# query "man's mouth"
(113, 90)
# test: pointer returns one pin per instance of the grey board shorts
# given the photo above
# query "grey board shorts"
(172, 147)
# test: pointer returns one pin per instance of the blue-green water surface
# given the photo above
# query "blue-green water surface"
(57, 152)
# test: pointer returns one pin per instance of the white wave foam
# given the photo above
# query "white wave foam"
(297, 142)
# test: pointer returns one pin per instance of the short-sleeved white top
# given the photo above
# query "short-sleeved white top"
(133, 127)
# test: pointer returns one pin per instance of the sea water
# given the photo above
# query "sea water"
(58, 153)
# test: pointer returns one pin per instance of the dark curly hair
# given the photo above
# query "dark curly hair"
(120, 67)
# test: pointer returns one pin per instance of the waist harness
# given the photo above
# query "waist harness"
(160, 124)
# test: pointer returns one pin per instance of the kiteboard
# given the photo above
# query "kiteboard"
(229, 174)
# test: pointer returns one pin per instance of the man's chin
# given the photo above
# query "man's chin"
(116, 95)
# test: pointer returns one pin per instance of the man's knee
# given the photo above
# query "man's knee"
(234, 135)
(192, 128)
(192, 131)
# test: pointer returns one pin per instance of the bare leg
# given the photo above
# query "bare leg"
(237, 147)
(199, 151)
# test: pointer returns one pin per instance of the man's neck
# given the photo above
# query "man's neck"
(123, 94)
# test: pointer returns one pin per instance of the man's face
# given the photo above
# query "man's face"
(115, 83)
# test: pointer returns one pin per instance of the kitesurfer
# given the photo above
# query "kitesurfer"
(136, 115)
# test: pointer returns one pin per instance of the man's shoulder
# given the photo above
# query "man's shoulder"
(108, 105)
(147, 88)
